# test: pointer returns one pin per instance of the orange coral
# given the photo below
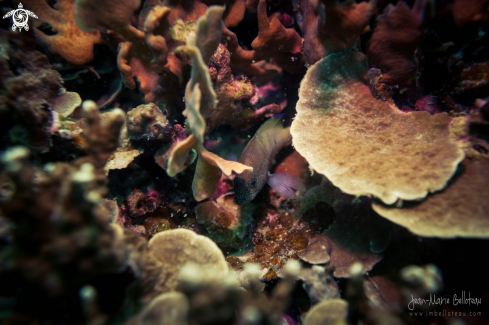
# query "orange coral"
(90, 17)
(234, 13)
(69, 41)
(273, 40)
(160, 78)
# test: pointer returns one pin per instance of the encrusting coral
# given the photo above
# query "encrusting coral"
(366, 146)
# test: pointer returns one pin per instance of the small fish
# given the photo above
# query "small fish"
(259, 154)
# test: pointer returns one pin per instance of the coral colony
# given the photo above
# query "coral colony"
(244, 162)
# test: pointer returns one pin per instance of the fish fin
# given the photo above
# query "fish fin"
(285, 185)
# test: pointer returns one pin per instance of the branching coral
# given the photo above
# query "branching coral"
(234, 13)
(366, 146)
(102, 139)
(162, 77)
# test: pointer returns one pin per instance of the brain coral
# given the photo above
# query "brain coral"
(462, 209)
(364, 145)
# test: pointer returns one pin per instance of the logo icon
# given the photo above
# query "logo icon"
(20, 17)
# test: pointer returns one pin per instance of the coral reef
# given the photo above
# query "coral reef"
(244, 162)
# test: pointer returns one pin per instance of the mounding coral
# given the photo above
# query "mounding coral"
(366, 146)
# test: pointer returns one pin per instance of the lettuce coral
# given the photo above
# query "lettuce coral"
(366, 146)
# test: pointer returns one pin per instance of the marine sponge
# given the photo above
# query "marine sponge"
(366, 146)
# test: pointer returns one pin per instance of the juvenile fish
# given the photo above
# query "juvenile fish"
(259, 154)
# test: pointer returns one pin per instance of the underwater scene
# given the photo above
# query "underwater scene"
(244, 162)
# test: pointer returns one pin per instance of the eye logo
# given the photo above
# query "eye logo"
(20, 17)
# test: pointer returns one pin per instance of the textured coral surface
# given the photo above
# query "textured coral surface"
(362, 144)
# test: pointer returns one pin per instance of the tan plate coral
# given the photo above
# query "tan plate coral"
(173, 248)
(461, 210)
(364, 145)
(328, 312)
